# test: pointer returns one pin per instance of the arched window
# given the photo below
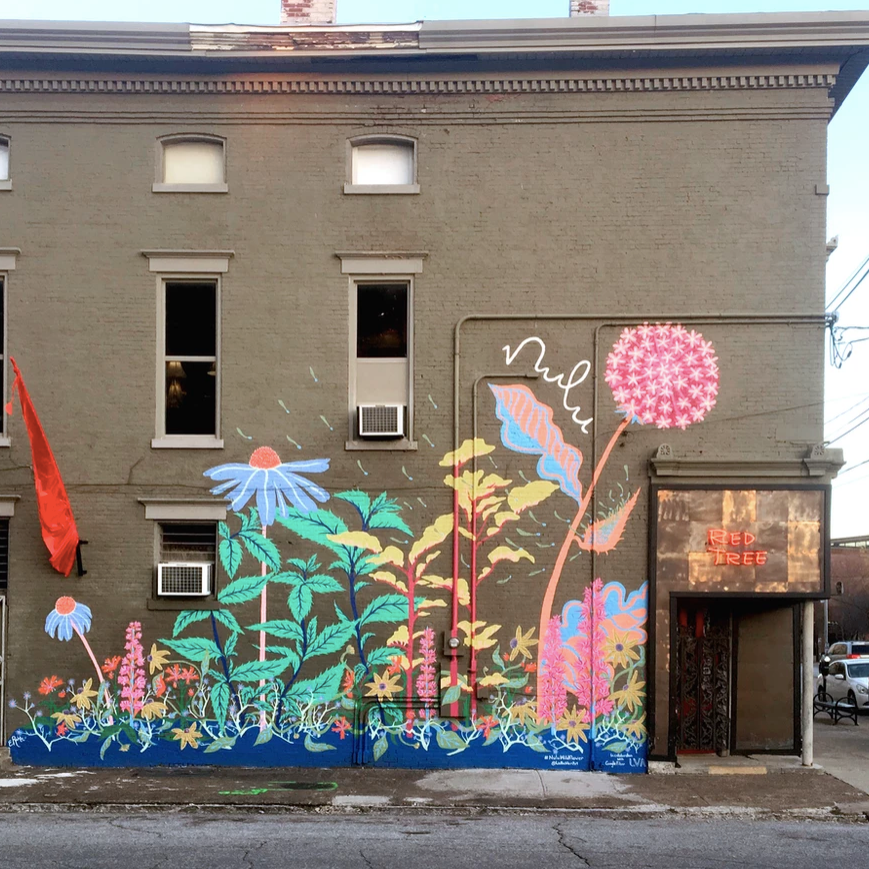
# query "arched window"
(191, 164)
(382, 164)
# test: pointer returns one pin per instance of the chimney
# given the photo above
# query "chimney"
(589, 7)
(294, 12)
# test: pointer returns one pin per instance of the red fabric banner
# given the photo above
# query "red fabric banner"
(55, 511)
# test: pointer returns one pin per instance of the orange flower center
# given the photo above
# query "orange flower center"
(65, 606)
(264, 457)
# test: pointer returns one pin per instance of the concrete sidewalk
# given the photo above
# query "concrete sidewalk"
(758, 786)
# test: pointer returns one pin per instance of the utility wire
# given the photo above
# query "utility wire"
(858, 417)
(844, 434)
(846, 284)
(851, 292)
(848, 410)
(853, 467)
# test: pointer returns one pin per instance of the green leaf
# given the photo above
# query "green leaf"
(230, 556)
(220, 702)
(331, 639)
(358, 499)
(497, 660)
(323, 687)
(300, 602)
(261, 548)
(222, 742)
(314, 526)
(194, 648)
(250, 520)
(494, 736)
(253, 671)
(391, 521)
(321, 583)
(264, 736)
(380, 747)
(450, 741)
(223, 530)
(616, 747)
(225, 617)
(105, 746)
(534, 743)
(452, 695)
(187, 617)
(386, 608)
(243, 589)
(283, 629)
(317, 746)
(229, 645)
(383, 655)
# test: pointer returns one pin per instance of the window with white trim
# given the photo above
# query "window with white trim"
(382, 164)
(5, 177)
(191, 164)
(189, 359)
(187, 559)
(3, 372)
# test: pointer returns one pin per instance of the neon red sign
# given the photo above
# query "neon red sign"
(722, 544)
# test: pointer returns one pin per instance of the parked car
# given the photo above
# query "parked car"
(847, 680)
(848, 649)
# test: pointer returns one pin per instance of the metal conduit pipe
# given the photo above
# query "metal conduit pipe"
(604, 322)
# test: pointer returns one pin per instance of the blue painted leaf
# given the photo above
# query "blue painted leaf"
(194, 648)
(317, 746)
(230, 556)
(243, 589)
(261, 548)
(528, 428)
(188, 617)
(387, 608)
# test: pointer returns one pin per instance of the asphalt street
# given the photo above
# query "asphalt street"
(422, 840)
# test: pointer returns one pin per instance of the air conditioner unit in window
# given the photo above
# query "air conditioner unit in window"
(381, 420)
(184, 579)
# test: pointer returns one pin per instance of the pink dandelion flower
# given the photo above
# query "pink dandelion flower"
(663, 374)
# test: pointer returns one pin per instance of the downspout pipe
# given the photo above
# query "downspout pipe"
(604, 321)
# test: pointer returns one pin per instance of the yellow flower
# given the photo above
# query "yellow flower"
(190, 736)
(82, 700)
(157, 658)
(575, 723)
(637, 728)
(68, 719)
(632, 695)
(154, 709)
(619, 649)
(383, 686)
(521, 643)
(525, 713)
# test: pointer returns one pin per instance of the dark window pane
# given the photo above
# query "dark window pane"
(4, 554)
(381, 321)
(188, 541)
(2, 308)
(191, 319)
(191, 391)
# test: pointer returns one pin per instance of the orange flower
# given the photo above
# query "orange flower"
(188, 674)
(173, 674)
(486, 724)
(49, 683)
(349, 683)
(341, 726)
(111, 665)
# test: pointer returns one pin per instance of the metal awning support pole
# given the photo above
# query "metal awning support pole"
(808, 661)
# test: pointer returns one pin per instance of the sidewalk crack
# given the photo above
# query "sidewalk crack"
(562, 840)
(368, 863)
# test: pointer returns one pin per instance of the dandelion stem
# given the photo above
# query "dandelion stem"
(551, 588)
(90, 652)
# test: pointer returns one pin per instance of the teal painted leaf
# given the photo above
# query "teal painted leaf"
(315, 526)
(450, 741)
(300, 601)
(359, 500)
(317, 746)
(264, 736)
(533, 742)
(381, 656)
(390, 521)
(229, 645)
(324, 687)
(194, 648)
(494, 736)
(261, 548)
(250, 520)
(225, 617)
(452, 695)
(223, 530)
(220, 702)
(222, 742)
(386, 608)
(284, 629)
(497, 660)
(243, 589)
(253, 671)
(321, 583)
(188, 617)
(331, 639)
(104, 747)
(380, 747)
(616, 747)
(230, 556)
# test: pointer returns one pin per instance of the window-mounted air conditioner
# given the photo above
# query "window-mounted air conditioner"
(184, 579)
(381, 420)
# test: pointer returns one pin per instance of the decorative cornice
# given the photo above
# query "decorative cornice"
(819, 462)
(271, 85)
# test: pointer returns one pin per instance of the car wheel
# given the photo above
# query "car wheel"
(852, 698)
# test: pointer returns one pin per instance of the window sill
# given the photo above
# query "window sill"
(189, 188)
(5, 441)
(187, 442)
(398, 445)
(6, 184)
(381, 188)
(176, 604)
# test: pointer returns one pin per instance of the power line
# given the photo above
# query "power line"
(858, 417)
(851, 292)
(848, 410)
(853, 467)
(845, 285)
(844, 434)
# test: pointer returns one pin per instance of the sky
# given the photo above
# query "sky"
(847, 395)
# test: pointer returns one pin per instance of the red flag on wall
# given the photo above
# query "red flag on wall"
(55, 511)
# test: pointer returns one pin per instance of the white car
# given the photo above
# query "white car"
(848, 680)
(848, 649)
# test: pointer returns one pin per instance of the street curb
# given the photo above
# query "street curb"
(625, 813)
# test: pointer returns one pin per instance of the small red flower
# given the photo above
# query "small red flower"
(111, 665)
(49, 684)
(486, 724)
(173, 674)
(348, 683)
(190, 692)
(62, 694)
(395, 666)
(188, 674)
(61, 729)
(159, 686)
(341, 726)
(529, 668)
